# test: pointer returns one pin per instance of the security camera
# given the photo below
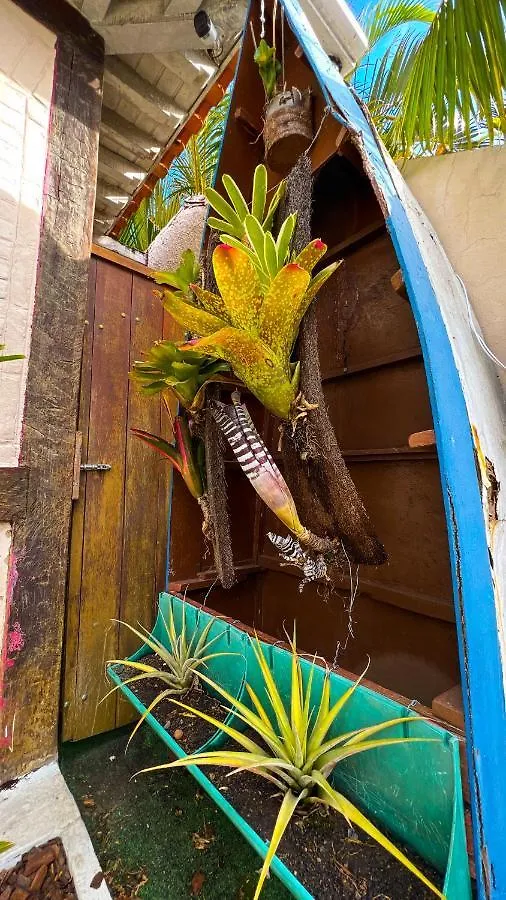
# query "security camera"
(205, 28)
(218, 20)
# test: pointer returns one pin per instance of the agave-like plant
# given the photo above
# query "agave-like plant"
(253, 322)
(183, 659)
(294, 751)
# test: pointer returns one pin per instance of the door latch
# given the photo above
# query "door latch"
(95, 467)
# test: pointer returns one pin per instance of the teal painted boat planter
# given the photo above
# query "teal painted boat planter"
(414, 790)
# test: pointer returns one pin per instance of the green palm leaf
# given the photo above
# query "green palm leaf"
(445, 72)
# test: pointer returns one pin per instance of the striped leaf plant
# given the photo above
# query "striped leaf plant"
(293, 751)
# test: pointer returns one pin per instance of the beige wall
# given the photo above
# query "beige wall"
(26, 79)
(464, 196)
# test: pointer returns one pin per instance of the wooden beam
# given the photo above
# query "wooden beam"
(368, 233)
(397, 282)
(122, 261)
(178, 141)
(13, 492)
(31, 697)
(422, 439)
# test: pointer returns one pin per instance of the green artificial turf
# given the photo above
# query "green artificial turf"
(158, 836)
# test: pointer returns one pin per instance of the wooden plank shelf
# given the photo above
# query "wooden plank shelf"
(206, 579)
(388, 359)
(397, 282)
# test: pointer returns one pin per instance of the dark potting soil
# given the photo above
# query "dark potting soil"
(190, 731)
(41, 874)
(331, 860)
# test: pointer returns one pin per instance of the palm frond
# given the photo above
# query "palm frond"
(192, 172)
(379, 19)
(434, 87)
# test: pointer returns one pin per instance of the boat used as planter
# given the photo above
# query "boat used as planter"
(413, 790)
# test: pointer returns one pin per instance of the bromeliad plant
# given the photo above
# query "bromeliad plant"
(175, 367)
(294, 751)
(253, 322)
(186, 455)
(183, 660)
(261, 470)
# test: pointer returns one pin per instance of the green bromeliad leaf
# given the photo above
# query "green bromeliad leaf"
(185, 372)
(256, 365)
(310, 255)
(190, 317)
(283, 308)
(239, 286)
(187, 271)
(212, 303)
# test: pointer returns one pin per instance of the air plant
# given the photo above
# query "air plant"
(253, 322)
(294, 750)
(175, 367)
(268, 66)
(183, 659)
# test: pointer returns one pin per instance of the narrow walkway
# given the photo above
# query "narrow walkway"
(157, 836)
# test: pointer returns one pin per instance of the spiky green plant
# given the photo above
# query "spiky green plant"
(295, 752)
(234, 211)
(5, 845)
(175, 367)
(183, 660)
(253, 322)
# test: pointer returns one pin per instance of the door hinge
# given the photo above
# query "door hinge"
(95, 467)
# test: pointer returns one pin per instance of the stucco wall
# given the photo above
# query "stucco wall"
(26, 78)
(464, 196)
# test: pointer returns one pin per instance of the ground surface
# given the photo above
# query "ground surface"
(157, 837)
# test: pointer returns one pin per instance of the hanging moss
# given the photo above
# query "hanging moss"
(326, 497)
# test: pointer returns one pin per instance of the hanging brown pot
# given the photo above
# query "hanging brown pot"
(288, 129)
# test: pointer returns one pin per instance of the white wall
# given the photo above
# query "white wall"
(26, 79)
(464, 196)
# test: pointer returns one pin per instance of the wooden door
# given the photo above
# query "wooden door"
(119, 527)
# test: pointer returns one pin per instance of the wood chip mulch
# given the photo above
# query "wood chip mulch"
(41, 874)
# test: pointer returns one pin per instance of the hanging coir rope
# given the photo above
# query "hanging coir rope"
(326, 497)
(215, 463)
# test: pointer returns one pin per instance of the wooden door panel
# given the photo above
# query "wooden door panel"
(119, 528)
(144, 469)
(103, 532)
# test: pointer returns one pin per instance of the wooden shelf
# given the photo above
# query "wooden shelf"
(389, 359)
